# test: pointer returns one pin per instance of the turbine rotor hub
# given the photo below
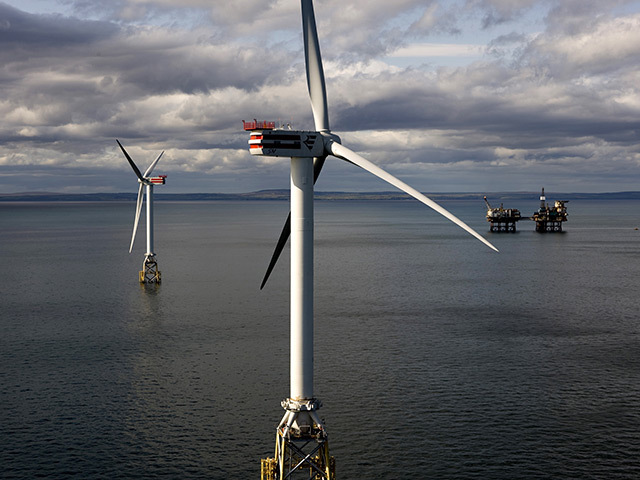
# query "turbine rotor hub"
(330, 137)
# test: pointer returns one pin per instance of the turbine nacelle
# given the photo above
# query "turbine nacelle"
(286, 143)
(159, 180)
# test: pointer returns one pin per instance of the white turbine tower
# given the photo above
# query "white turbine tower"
(149, 272)
(301, 439)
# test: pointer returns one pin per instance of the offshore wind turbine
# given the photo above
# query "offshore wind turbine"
(301, 438)
(149, 272)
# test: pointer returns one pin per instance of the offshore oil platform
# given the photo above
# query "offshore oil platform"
(548, 218)
(502, 219)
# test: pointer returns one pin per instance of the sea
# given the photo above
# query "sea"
(435, 357)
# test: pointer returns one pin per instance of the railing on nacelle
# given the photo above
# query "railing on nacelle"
(256, 125)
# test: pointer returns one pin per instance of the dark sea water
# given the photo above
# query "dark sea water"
(435, 357)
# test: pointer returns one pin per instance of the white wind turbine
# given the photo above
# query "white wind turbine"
(301, 427)
(149, 272)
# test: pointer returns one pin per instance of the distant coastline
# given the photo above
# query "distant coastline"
(284, 195)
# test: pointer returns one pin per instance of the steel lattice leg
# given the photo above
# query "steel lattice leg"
(302, 446)
(149, 272)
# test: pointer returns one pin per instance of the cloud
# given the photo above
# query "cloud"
(606, 47)
(22, 30)
(559, 99)
(439, 50)
(500, 11)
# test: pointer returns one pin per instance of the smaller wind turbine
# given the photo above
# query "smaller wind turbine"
(149, 272)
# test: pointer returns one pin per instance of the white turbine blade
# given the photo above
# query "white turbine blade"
(137, 219)
(350, 156)
(315, 72)
(152, 166)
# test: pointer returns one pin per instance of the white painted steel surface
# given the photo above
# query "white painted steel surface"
(149, 189)
(301, 367)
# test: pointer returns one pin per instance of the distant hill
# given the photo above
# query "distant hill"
(494, 197)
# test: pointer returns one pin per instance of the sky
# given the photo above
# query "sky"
(449, 96)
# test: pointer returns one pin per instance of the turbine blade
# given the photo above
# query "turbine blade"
(318, 96)
(282, 241)
(137, 219)
(153, 165)
(350, 156)
(315, 72)
(286, 230)
(133, 165)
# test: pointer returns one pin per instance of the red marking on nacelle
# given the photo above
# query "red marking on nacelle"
(159, 180)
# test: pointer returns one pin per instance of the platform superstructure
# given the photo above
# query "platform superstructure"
(550, 218)
(502, 219)
(547, 218)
